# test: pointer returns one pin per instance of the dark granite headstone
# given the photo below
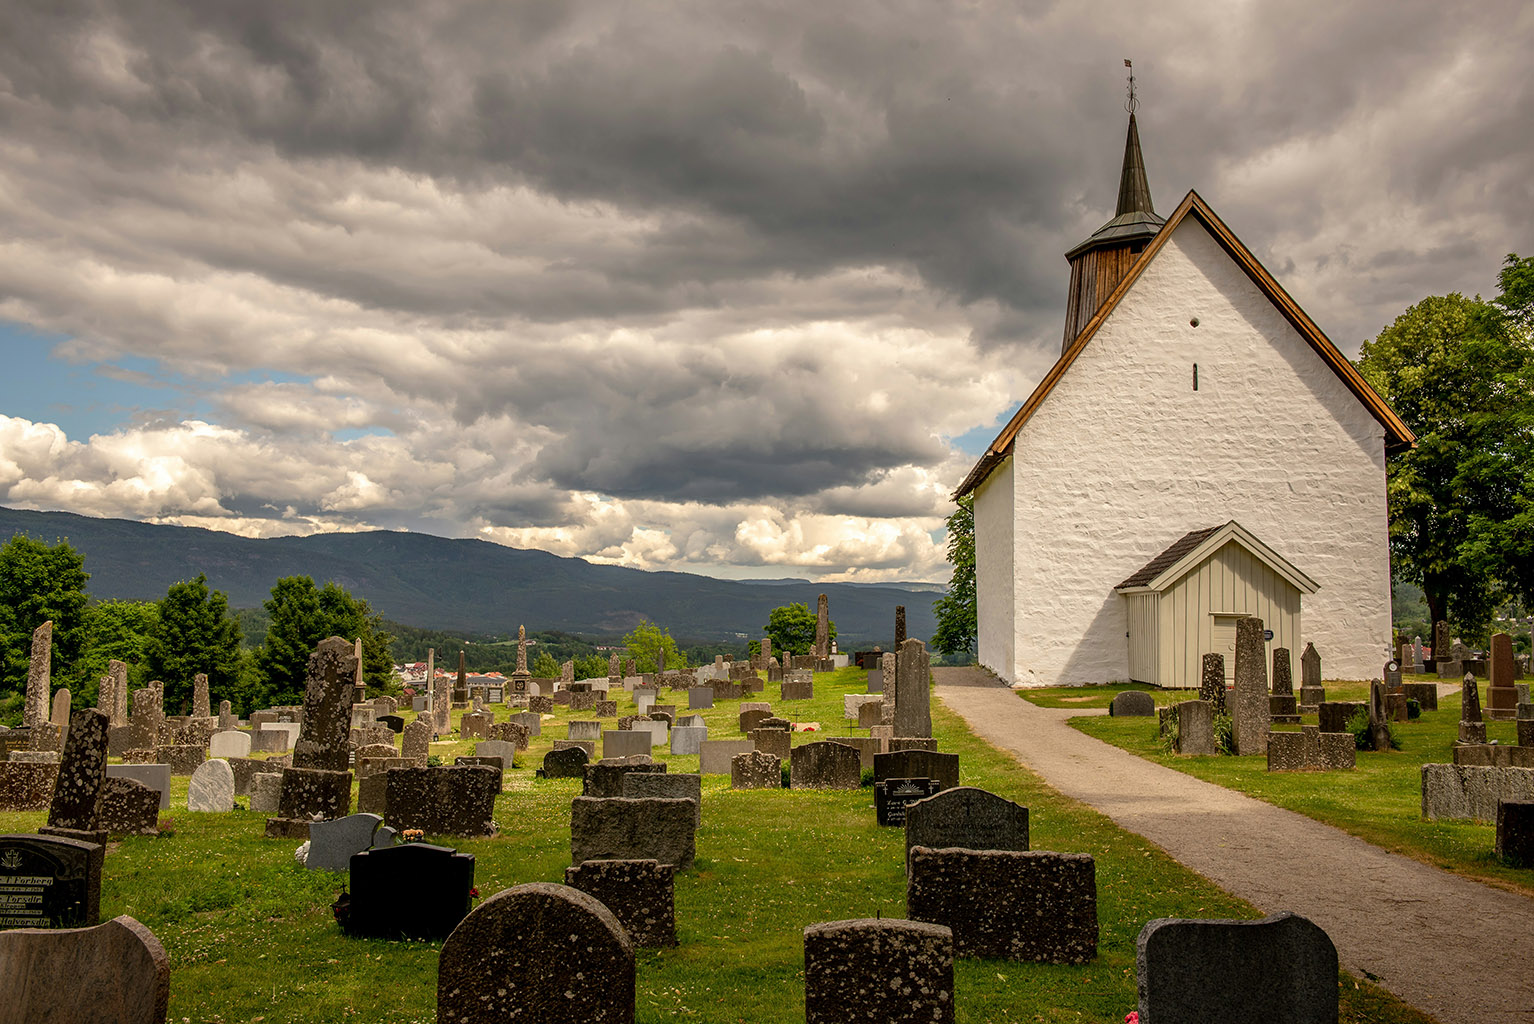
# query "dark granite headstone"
(415, 891)
(455, 801)
(1132, 703)
(537, 952)
(1036, 906)
(1515, 832)
(49, 882)
(893, 796)
(1281, 968)
(395, 723)
(605, 779)
(884, 971)
(966, 817)
(569, 763)
(917, 764)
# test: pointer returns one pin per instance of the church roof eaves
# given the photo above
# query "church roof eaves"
(1193, 547)
(1397, 434)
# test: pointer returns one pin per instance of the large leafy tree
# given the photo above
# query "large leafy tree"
(115, 630)
(644, 644)
(956, 623)
(301, 616)
(193, 632)
(791, 628)
(40, 582)
(1460, 372)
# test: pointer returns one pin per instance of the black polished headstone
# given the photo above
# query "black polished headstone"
(49, 882)
(893, 796)
(395, 723)
(415, 891)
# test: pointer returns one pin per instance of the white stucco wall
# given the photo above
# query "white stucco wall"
(994, 571)
(1123, 457)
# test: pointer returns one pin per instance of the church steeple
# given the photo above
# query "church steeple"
(1102, 260)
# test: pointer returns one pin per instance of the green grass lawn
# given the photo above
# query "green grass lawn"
(251, 938)
(1379, 802)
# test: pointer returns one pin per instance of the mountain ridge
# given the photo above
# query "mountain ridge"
(466, 584)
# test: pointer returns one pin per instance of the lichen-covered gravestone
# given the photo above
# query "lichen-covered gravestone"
(1038, 906)
(878, 972)
(640, 893)
(1281, 968)
(569, 763)
(537, 952)
(967, 817)
(755, 770)
(456, 801)
(913, 676)
(76, 804)
(1250, 711)
(1132, 703)
(318, 785)
(825, 765)
(621, 828)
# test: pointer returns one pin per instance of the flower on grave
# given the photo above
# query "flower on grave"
(474, 892)
(411, 835)
(1132, 1017)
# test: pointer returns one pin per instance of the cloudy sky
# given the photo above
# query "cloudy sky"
(730, 288)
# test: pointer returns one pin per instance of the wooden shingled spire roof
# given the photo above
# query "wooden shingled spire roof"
(1397, 434)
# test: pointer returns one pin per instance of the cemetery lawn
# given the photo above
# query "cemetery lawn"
(1380, 801)
(251, 937)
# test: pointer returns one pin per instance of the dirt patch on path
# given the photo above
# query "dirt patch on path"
(1453, 948)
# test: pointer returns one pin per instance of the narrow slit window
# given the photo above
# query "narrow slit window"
(1195, 376)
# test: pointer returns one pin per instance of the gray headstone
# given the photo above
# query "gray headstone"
(1195, 727)
(825, 764)
(229, 744)
(715, 756)
(687, 739)
(700, 697)
(681, 786)
(640, 893)
(155, 776)
(913, 713)
(265, 792)
(624, 742)
(332, 843)
(1281, 968)
(1250, 709)
(114, 971)
(211, 787)
(1133, 703)
(622, 828)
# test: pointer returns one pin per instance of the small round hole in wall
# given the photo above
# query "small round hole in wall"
(1193, 322)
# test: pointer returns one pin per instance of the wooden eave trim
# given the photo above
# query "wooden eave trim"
(1233, 531)
(1397, 434)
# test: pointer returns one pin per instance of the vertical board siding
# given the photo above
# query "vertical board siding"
(1232, 581)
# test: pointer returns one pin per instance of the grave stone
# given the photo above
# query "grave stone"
(1311, 750)
(800, 690)
(1501, 698)
(416, 740)
(49, 882)
(641, 894)
(114, 973)
(1211, 685)
(1392, 676)
(1033, 906)
(59, 717)
(1249, 711)
(622, 743)
(445, 801)
(128, 808)
(569, 763)
(605, 777)
(537, 952)
(825, 764)
(880, 971)
(875, 681)
(893, 796)
(507, 752)
(332, 843)
(76, 801)
(39, 678)
(229, 744)
(435, 881)
(667, 786)
(778, 742)
(687, 739)
(155, 776)
(1451, 791)
(579, 730)
(756, 770)
(200, 706)
(319, 784)
(623, 828)
(1515, 832)
(966, 817)
(1472, 727)
(716, 757)
(183, 758)
(1134, 703)
(1425, 694)
(266, 793)
(211, 787)
(1283, 673)
(1280, 968)
(918, 764)
(1195, 728)
(700, 697)
(913, 716)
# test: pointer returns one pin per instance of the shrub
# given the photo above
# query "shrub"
(1224, 734)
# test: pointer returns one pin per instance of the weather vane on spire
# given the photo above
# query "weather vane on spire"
(1132, 104)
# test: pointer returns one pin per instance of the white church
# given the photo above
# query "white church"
(1200, 451)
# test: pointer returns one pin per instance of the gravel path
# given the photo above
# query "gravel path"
(1457, 949)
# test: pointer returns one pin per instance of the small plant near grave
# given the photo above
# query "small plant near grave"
(1170, 740)
(1413, 709)
(342, 909)
(433, 761)
(1363, 737)
(785, 775)
(867, 778)
(167, 826)
(1224, 734)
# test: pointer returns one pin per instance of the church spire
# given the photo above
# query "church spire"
(1134, 190)
(1100, 262)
